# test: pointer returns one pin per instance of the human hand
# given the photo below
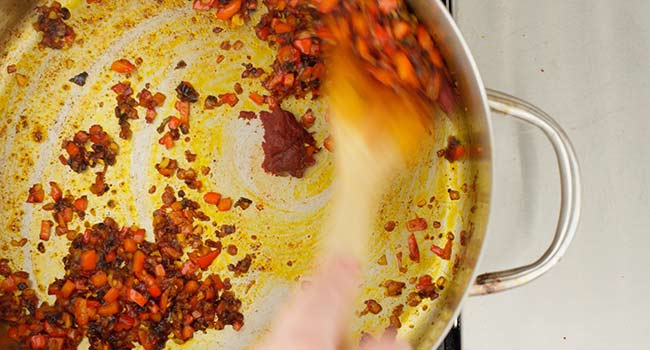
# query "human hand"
(317, 318)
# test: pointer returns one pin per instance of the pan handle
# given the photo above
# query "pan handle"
(567, 224)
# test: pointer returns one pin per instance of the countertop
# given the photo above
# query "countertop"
(587, 63)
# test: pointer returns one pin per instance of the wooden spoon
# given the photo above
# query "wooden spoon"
(376, 130)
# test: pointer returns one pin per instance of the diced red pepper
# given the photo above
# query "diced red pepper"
(417, 224)
(225, 204)
(8, 285)
(129, 245)
(257, 98)
(229, 10)
(183, 108)
(123, 66)
(53, 331)
(304, 45)
(212, 198)
(188, 268)
(112, 295)
(138, 261)
(414, 250)
(36, 194)
(167, 140)
(151, 115)
(12, 333)
(68, 288)
(55, 191)
(135, 296)
(38, 341)
(109, 309)
(160, 270)
(173, 123)
(88, 260)
(81, 312)
(99, 279)
(154, 290)
(138, 235)
(72, 149)
(443, 253)
(424, 282)
(81, 203)
(46, 230)
(124, 322)
(55, 343)
(204, 5)
(206, 260)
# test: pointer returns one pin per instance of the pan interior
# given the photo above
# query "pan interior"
(283, 233)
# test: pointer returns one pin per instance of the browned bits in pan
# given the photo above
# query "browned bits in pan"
(102, 151)
(63, 208)
(389, 226)
(125, 110)
(426, 288)
(251, 72)
(180, 65)
(186, 92)
(167, 167)
(382, 261)
(79, 79)
(18, 243)
(242, 266)
(36, 194)
(372, 306)
(232, 249)
(211, 102)
(395, 315)
(225, 45)
(393, 288)
(243, 203)
(238, 45)
(189, 156)
(51, 22)
(413, 299)
(11, 69)
(298, 69)
(453, 195)
(226, 230)
(454, 150)
(238, 89)
(189, 176)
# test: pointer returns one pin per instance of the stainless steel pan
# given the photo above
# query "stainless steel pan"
(287, 229)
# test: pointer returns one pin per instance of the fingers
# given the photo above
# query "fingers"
(387, 342)
(315, 318)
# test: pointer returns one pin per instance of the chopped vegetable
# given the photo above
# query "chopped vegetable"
(414, 251)
(123, 66)
(51, 22)
(417, 224)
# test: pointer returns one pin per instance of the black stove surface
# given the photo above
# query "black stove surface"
(452, 341)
